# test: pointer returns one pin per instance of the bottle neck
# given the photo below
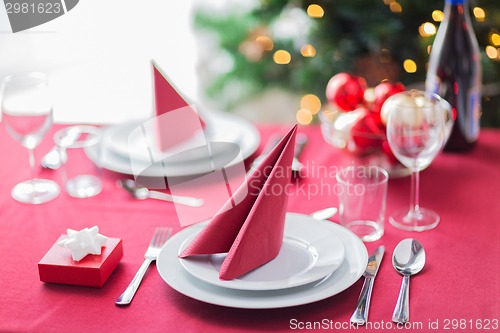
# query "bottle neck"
(456, 7)
(458, 3)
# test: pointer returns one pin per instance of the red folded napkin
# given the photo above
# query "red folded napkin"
(177, 120)
(251, 232)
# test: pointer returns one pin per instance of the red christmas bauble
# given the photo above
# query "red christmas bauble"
(386, 149)
(385, 90)
(346, 91)
(368, 133)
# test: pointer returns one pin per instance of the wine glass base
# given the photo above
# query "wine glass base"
(421, 220)
(35, 191)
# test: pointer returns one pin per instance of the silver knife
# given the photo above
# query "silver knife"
(360, 315)
(273, 141)
(300, 142)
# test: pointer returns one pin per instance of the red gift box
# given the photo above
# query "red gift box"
(57, 266)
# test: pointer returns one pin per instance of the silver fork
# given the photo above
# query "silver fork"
(161, 235)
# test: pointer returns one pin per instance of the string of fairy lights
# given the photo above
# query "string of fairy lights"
(310, 104)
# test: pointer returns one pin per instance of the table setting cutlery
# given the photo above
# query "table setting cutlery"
(161, 235)
(297, 166)
(276, 288)
(360, 315)
(142, 193)
(271, 143)
(408, 259)
(302, 259)
(314, 259)
(324, 214)
(300, 143)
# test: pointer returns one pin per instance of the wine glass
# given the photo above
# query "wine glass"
(27, 116)
(417, 129)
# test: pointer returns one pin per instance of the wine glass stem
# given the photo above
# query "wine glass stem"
(415, 189)
(32, 163)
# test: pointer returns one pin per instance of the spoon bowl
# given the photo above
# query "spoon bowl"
(408, 259)
(142, 193)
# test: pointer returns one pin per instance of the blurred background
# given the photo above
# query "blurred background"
(256, 58)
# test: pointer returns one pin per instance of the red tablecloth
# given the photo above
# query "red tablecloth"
(458, 287)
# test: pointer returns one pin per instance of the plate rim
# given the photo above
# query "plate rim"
(121, 152)
(178, 279)
(235, 284)
(121, 164)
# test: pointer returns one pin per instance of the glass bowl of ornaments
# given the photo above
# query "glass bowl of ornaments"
(353, 121)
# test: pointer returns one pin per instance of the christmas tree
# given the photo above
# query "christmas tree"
(299, 45)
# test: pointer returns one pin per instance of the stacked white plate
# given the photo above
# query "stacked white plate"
(318, 259)
(227, 135)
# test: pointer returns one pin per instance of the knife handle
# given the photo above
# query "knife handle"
(360, 315)
(300, 143)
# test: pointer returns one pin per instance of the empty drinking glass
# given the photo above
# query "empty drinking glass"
(416, 132)
(81, 177)
(362, 196)
(27, 116)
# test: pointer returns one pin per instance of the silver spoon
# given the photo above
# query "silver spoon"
(408, 259)
(324, 213)
(53, 159)
(141, 193)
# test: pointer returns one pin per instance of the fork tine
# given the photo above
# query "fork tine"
(162, 234)
(155, 237)
(168, 235)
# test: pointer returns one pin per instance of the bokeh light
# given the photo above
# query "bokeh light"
(282, 57)
(396, 7)
(479, 14)
(437, 15)
(410, 66)
(308, 51)
(315, 11)
(427, 29)
(266, 42)
(491, 52)
(495, 39)
(304, 117)
(310, 102)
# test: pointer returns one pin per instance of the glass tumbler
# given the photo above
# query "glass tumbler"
(362, 194)
(81, 177)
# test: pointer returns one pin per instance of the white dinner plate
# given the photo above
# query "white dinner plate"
(117, 141)
(309, 253)
(248, 142)
(356, 258)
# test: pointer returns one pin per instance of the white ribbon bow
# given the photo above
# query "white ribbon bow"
(83, 242)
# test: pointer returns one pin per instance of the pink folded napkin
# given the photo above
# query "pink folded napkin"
(177, 120)
(251, 232)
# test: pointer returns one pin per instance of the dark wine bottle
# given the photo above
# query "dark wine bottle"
(454, 73)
